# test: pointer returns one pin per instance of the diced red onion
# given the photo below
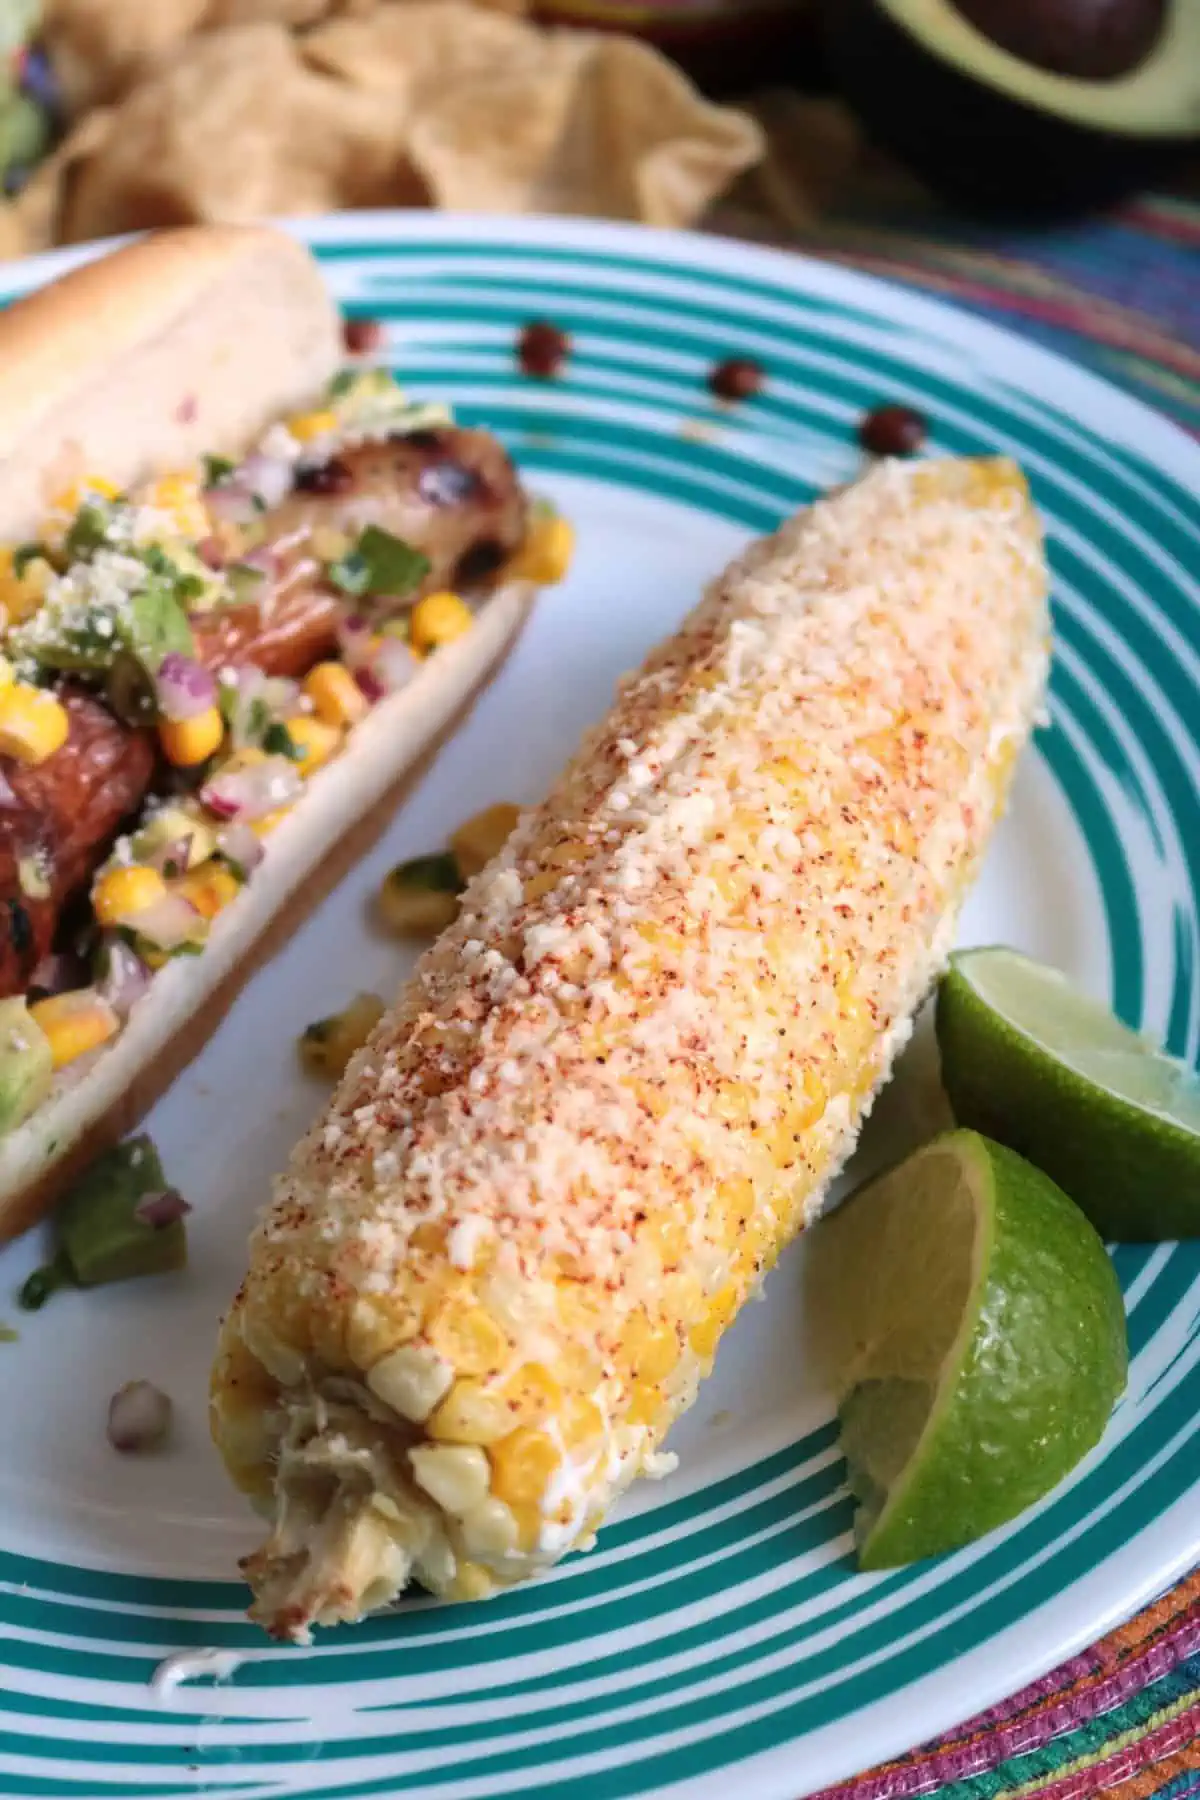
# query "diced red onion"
(242, 847)
(394, 664)
(158, 1210)
(168, 922)
(267, 476)
(139, 1417)
(277, 693)
(263, 560)
(231, 503)
(59, 973)
(370, 685)
(126, 979)
(252, 793)
(185, 688)
(211, 552)
(355, 641)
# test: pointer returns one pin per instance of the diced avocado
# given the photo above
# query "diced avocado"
(99, 1230)
(157, 625)
(26, 1065)
(173, 825)
(85, 637)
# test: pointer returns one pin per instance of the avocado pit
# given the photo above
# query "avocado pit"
(1088, 40)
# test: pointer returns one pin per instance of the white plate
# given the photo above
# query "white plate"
(720, 1621)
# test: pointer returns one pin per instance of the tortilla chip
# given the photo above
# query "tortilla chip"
(424, 102)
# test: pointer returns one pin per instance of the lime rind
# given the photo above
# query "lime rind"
(1029, 1061)
(1032, 1344)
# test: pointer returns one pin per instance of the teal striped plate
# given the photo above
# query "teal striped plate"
(718, 1640)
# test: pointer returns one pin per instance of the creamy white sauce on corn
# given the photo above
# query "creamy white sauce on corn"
(626, 1075)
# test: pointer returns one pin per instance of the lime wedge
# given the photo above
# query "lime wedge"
(1039, 1066)
(974, 1331)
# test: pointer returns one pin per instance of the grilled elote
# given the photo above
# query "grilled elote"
(501, 1261)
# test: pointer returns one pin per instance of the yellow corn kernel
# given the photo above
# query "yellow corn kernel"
(705, 1335)
(178, 496)
(336, 696)
(187, 742)
(523, 1464)
(471, 1414)
(122, 894)
(804, 1108)
(74, 1023)
(532, 1393)
(483, 836)
(269, 822)
(327, 1045)
(33, 724)
(455, 1476)
(314, 740)
(579, 1420)
(437, 620)
(21, 595)
(545, 556)
(538, 886)
(210, 888)
(70, 499)
(6, 674)
(306, 426)
(411, 1380)
(669, 1233)
(468, 1338)
(489, 1529)
(650, 1346)
(645, 1404)
(472, 1582)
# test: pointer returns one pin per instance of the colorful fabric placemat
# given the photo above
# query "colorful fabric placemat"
(1122, 295)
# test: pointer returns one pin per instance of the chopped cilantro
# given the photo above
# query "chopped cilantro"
(342, 382)
(157, 625)
(130, 690)
(217, 470)
(379, 564)
(88, 532)
(159, 563)
(277, 740)
(23, 555)
(189, 587)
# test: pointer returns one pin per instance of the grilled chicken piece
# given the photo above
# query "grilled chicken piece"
(56, 820)
(451, 493)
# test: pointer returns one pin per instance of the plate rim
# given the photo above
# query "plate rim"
(1087, 399)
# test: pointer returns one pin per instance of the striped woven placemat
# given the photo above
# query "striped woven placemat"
(1122, 295)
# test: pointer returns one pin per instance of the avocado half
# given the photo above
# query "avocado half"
(1023, 106)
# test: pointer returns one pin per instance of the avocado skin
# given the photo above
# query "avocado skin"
(977, 148)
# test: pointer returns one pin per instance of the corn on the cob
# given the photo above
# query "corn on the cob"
(502, 1260)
